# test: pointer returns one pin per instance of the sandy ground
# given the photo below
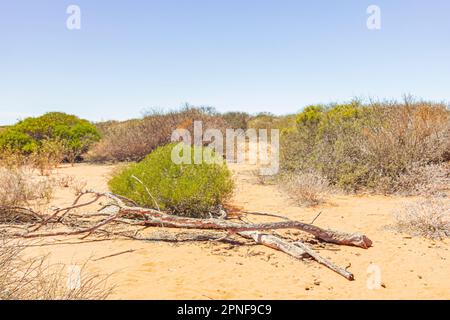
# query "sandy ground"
(410, 268)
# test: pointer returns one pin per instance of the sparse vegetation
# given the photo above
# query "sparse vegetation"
(183, 189)
(18, 189)
(367, 147)
(428, 218)
(237, 120)
(133, 140)
(36, 279)
(269, 121)
(306, 188)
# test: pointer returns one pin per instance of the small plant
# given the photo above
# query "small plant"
(261, 178)
(183, 189)
(12, 160)
(18, 189)
(306, 188)
(47, 156)
(428, 218)
(65, 181)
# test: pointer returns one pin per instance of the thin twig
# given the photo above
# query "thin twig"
(315, 218)
(266, 214)
(114, 254)
(148, 191)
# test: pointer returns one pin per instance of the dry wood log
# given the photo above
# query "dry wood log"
(157, 218)
(274, 242)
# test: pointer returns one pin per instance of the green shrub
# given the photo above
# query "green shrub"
(182, 189)
(29, 135)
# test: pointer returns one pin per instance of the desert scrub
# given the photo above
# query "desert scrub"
(18, 189)
(25, 278)
(183, 189)
(134, 139)
(54, 130)
(428, 218)
(368, 147)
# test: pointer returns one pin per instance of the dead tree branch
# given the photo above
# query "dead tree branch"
(126, 212)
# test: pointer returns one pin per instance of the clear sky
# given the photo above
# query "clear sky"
(249, 55)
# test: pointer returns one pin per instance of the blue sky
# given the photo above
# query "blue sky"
(249, 55)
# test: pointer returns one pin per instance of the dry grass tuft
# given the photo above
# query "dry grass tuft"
(306, 188)
(18, 190)
(36, 279)
(428, 218)
(263, 179)
(76, 185)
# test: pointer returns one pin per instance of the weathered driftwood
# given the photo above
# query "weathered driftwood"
(274, 242)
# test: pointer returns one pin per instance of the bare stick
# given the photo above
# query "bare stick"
(114, 254)
(266, 214)
(275, 243)
(148, 191)
(315, 218)
(343, 272)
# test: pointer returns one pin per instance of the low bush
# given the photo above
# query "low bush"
(306, 188)
(19, 190)
(236, 119)
(374, 146)
(183, 189)
(428, 218)
(72, 135)
(134, 139)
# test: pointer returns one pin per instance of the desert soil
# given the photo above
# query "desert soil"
(410, 268)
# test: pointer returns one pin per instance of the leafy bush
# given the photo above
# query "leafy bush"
(182, 189)
(372, 146)
(29, 135)
(132, 140)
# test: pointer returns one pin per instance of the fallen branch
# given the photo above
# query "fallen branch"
(325, 262)
(157, 218)
(275, 243)
(126, 212)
